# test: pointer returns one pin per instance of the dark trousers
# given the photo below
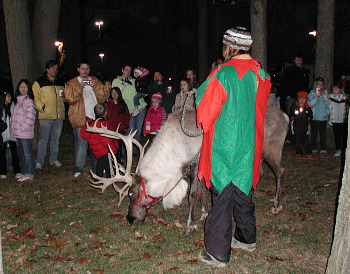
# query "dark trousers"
(103, 164)
(302, 140)
(340, 135)
(15, 160)
(218, 225)
(318, 127)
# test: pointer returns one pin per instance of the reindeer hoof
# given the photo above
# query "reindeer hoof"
(277, 210)
(204, 215)
(191, 228)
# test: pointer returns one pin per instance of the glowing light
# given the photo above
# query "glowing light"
(313, 33)
(99, 23)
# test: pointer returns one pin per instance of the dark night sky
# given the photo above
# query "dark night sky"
(163, 34)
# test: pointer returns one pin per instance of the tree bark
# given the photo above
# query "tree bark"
(45, 26)
(258, 10)
(202, 40)
(19, 40)
(325, 41)
(339, 260)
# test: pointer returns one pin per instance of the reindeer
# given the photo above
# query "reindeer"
(159, 175)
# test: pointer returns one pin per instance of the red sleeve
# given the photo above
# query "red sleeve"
(83, 132)
(209, 107)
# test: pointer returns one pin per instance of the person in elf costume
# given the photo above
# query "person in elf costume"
(231, 106)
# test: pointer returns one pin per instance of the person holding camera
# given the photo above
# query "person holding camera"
(82, 94)
(319, 103)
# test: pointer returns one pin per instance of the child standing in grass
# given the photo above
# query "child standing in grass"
(319, 103)
(301, 115)
(6, 109)
(339, 117)
(22, 127)
(155, 117)
(98, 143)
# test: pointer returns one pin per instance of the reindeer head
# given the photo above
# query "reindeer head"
(121, 174)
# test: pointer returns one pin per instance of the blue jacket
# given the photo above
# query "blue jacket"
(319, 106)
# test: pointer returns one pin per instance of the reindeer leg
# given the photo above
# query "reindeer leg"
(204, 200)
(192, 199)
(277, 203)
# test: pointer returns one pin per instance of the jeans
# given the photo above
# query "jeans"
(137, 98)
(136, 123)
(81, 148)
(26, 151)
(49, 128)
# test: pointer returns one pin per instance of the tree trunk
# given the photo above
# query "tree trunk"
(202, 41)
(18, 40)
(218, 30)
(258, 10)
(45, 26)
(325, 41)
(339, 260)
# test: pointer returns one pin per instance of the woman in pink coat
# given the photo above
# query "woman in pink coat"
(22, 127)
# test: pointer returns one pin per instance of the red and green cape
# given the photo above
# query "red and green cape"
(231, 106)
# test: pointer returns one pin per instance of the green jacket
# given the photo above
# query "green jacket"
(128, 92)
(47, 98)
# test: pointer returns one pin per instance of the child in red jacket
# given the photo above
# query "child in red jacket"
(155, 118)
(99, 144)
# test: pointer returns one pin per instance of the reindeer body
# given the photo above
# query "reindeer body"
(162, 166)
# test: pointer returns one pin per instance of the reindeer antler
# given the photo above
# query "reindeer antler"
(121, 174)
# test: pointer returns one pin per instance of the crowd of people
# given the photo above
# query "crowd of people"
(232, 147)
(130, 102)
(310, 110)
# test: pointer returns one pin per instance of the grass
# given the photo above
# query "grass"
(59, 224)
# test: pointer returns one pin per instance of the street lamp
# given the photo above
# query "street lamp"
(101, 55)
(99, 24)
(59, 46)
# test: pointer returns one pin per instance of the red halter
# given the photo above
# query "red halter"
(144, 194)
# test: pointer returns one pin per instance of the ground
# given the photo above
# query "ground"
(58, 223)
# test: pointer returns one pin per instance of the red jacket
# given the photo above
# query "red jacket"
(115, 117)
(98, 143)
(155, 118)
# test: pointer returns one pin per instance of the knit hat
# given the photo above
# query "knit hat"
(142, 71)
(238, 38)
(303, 94)
(157, 97)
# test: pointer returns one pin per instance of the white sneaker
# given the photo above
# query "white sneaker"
(323, 151)
(56, 163)
(18, 175)
(247, 247)
(2, 176)
(38, 166)
(77, 174)
(25, 178)
(135, 112)
(337, 153)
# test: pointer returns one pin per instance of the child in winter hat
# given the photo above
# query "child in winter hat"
(141, 84)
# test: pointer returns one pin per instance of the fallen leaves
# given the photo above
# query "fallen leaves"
(145, 256)
(28, 232)
(274, 259)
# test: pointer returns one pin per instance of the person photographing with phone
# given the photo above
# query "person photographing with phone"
(82, 94)
(319, 103)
